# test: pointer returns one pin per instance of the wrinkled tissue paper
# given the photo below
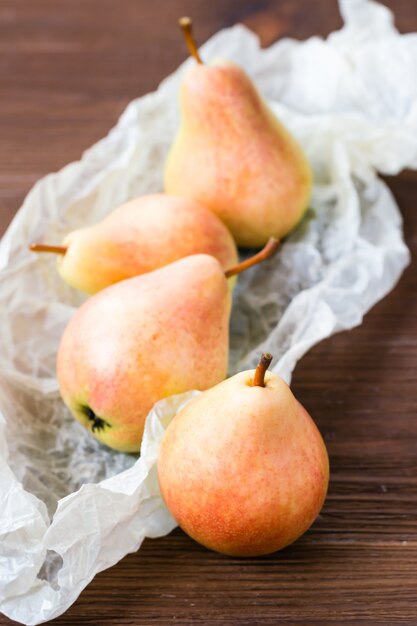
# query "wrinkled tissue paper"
(70, 507)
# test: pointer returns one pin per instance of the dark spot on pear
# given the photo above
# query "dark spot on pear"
(88, 413)
(98, 423)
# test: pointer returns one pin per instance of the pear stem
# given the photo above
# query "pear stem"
(186, 25)
(269, 250)
(40, 247)
(264, 363)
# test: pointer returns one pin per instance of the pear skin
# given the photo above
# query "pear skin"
(141, 340)
(140, 236)
(243, 468)
(233, 155)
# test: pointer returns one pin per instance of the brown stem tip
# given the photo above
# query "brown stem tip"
(264, 363)
(186, 26)
(266, 253)
(40, 247)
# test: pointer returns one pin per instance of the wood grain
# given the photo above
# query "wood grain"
(67, 70)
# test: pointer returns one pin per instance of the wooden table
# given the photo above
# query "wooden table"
(67, 71)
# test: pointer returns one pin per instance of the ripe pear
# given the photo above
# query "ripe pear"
(232, 154)
(242, 467)
(143, 339)
(138, 237)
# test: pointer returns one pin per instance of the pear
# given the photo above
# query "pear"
(140, 236)
(233, 155)
(242, 467)
(146, 338)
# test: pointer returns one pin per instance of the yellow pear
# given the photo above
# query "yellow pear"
(242, 467)
(140, 236)
(146, 338)
(233, 155)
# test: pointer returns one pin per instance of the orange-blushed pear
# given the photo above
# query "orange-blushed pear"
(242, 467)
(142, 235)
(146, 338)
(232, 154)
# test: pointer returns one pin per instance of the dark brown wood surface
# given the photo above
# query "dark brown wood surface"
(67, 70)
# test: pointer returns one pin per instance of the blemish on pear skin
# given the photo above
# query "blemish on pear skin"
(98, 423)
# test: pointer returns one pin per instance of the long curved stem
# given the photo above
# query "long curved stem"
(186, 27)
(269, 250)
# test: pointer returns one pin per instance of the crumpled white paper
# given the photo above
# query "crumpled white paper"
(71, 507)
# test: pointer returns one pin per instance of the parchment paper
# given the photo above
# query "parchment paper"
(70, 507)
